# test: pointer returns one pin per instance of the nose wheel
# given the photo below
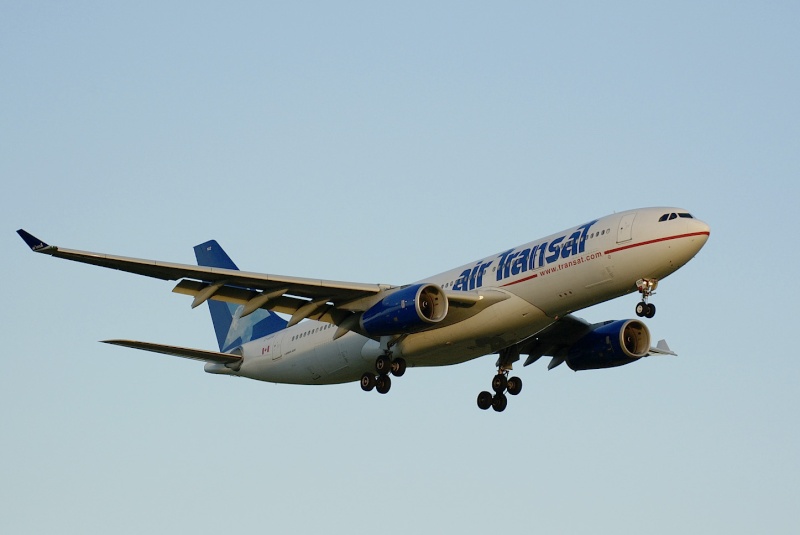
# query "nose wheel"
(502, 384)
(645, 310)
(646, 287)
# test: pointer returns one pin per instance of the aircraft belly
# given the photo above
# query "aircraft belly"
(495, 328)
(330, 362)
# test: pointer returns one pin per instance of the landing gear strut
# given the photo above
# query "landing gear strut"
(501, 384)
(384, 365)
(646, 287)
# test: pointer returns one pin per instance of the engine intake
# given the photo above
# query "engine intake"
(410, 309)
(610, 344)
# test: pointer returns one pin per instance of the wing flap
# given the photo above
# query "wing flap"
(285, 304)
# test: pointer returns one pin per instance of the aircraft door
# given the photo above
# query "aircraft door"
(625, 232)
(271, 346)
(276, 347)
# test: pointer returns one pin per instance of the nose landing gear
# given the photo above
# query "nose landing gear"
(646, 287)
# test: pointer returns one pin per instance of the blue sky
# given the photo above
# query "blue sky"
(383, 143)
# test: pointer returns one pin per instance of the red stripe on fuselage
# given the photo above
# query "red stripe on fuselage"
(521, 280)
(631, 246)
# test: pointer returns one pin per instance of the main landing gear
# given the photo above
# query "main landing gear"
(646, 287)
(384, 365)
(501, 384)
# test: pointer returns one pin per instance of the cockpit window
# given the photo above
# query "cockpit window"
(670, 217)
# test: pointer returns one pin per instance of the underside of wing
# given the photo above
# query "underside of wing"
(298, 286)
(555, 340)
(274, 292)
(336, 302)
(562, 338)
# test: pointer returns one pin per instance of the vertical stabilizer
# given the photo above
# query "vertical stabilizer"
(233, 331)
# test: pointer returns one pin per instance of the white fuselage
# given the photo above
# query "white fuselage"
(530, 286)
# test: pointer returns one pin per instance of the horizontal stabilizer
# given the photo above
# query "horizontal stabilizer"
(662, 349)
(185, 352)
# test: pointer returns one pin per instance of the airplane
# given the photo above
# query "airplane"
(294, 330)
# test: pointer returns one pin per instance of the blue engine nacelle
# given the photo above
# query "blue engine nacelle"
(610, 344)
(410, 309)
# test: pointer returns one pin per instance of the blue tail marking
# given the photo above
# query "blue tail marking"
(233, 331)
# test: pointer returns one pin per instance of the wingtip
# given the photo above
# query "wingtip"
(32, 241)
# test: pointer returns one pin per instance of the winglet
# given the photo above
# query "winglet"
(33, 242)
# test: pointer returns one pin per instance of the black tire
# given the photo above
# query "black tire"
(484, 400)
(651, 311)
(499, 383)
(383, 383)
(641, 309)
(367, 382)
(499, 402)
(514, 386)
(398, 367)
(383, 365)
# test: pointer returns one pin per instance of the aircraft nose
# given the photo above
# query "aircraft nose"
(699, 227)
(699, 231)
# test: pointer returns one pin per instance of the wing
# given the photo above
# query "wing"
(293, 295)
(322, 300)
(557, 339)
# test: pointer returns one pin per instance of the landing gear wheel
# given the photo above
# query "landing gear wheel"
(514, 386)
(646, 287)
(499, 383)
(368, 382)
(383, 365)
(398, 367)
(484, 400)
(499, 402)
(383, 383)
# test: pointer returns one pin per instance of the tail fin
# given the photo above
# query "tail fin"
(233, 331)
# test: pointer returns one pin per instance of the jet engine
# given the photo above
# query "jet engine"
(410, 309)
(610, 344)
